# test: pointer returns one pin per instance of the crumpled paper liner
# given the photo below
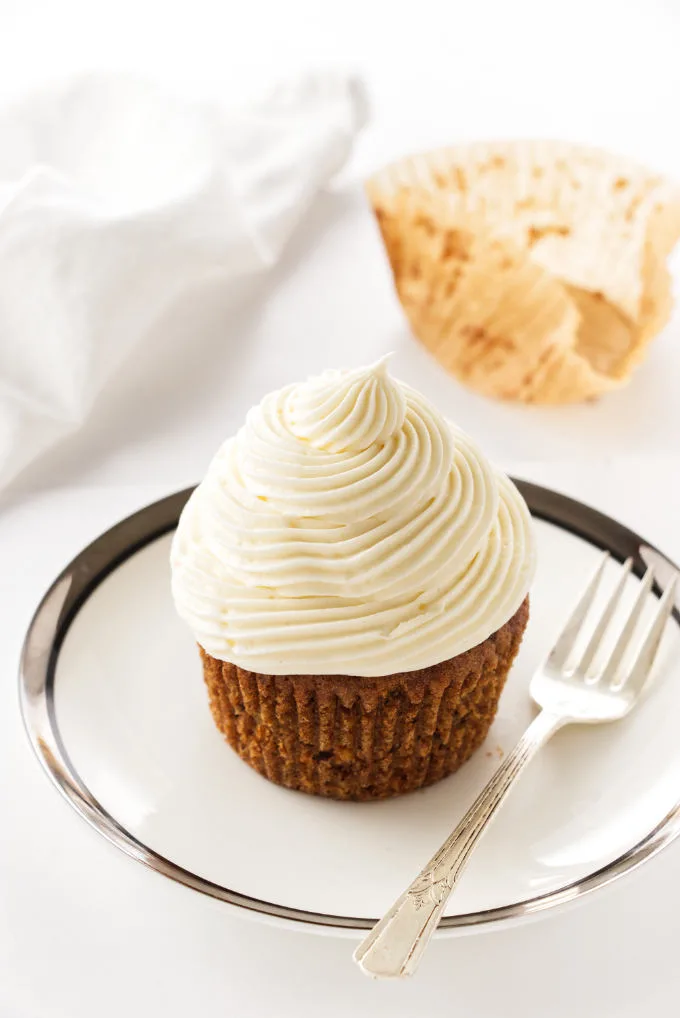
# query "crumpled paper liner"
(534, 271)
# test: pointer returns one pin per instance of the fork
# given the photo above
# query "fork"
(566, 693)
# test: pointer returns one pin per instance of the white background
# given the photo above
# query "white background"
(82, 930)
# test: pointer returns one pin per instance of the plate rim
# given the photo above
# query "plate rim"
(70, 590)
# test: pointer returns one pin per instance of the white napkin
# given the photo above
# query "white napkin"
(116, 198)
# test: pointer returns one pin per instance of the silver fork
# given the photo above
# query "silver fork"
(566, 693)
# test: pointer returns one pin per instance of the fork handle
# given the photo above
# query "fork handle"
(396, 944)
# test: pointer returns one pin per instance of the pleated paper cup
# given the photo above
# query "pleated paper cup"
(357, 738)
(533, 270)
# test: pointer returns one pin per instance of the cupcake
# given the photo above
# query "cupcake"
(356, 576)
(534, 271)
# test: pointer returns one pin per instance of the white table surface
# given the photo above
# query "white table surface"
(83, 930)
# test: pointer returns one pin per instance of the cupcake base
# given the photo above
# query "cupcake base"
(355, 738)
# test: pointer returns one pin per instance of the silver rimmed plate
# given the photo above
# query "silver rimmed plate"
(115, 708)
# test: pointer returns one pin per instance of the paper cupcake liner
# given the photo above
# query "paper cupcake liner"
(566, 263)
(363, 738)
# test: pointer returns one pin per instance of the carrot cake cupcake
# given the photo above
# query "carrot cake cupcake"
(356, 576)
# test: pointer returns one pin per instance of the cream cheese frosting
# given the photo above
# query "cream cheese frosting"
(349, 529)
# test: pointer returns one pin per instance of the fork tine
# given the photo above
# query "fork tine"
(565, 641)
(642, 665)
(628, 630)
(605, 620)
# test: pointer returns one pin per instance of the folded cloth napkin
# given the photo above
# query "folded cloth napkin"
(116, 198)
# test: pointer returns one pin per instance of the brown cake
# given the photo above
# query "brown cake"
(356, 738)
(356, 575)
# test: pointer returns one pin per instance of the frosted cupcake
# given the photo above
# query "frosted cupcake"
(355, 574)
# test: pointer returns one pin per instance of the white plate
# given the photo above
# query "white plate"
(115, 705)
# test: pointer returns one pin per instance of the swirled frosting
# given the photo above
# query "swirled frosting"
(349, 529)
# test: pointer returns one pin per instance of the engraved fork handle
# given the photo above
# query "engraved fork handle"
(396, 944)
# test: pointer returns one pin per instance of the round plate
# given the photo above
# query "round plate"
(114, 705)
